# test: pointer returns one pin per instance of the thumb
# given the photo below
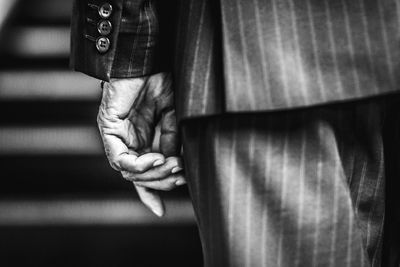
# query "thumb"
(152, 200)
(169, 139)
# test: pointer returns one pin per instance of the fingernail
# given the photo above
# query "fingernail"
(158, 212)
(158, 163)
(180, 182)
(176, 169)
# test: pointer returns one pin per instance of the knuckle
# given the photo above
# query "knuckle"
(114, 163)
(111, 160)
(139, 168)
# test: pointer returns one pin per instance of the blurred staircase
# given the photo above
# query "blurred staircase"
(60, 202)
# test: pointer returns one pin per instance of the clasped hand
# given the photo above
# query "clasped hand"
(129, 113)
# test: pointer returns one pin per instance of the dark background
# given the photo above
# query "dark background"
(60, 202)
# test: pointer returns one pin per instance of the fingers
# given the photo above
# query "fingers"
(118, 98)
(172, 165)
(167, 184)
(161, 89)
(169, 142)
(152, 200)
(114, 149)
(134, 164)
(122, 159)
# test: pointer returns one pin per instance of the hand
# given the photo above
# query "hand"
(129, 113)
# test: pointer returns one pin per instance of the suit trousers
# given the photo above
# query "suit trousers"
(302, 187)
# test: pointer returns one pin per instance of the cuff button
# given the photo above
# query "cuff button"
(104, 27)
(105, 10)
(102, 44)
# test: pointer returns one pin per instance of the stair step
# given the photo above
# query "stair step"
(50, 175)
(37, 140)
(48, 85)
(38, 41)
(80, 212)
(45, 10)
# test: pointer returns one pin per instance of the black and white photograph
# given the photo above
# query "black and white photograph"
(200, 133)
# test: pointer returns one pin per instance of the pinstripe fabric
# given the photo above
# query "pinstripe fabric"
(249, 55)
(281, 54)
(351, 45)
(301, 188)
(296, 188)
(198, 73)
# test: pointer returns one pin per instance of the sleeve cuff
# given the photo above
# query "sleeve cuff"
(128, 51)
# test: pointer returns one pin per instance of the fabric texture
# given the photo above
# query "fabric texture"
(280, 54)
(258, 55)
(296, 188)
(279, 185)
(134, 40)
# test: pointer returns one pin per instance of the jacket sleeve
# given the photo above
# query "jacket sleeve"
(116, 39)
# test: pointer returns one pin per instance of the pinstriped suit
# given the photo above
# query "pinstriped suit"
(280, 54)
(261, 55)
(284, 189)
(298, 180)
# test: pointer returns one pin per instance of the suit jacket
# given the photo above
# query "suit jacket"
(247, 55)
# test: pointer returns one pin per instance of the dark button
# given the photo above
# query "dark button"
(104, 27)
(105, 10)
(102, 44)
